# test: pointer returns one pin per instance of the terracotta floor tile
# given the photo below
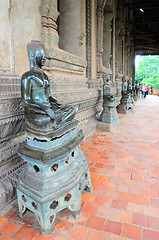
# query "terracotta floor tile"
(94, 176)
(104, 178)
(39, 237)
(90, 208)
(97, 183)
(150, 235)
(150, 193)
(141, 200)
(26, 233)
(95, 222)
(61, 238)
(154, 202)
(88, 197)
(63, 228)
(126, 197)
(113, 173)
(119, 204)
(103, 201)
(81, 221)
(141, 220)
(155, 223)
(125, 170)
(137, 177)
(151, 211)
(108, 185)
(106, 212)
(98, 235)
(133, 207)
(125, 175)
(2, 220)
(115, 237)
(151, 180)
(79, 233)
(113, 227)
(5, 238)
(131, 231)
(10, 228)
(123, 216)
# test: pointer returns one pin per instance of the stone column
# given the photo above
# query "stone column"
(107, 39)
(49, 15)
(100, 20)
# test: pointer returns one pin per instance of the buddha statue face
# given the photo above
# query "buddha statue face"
(40, 58)
(36, 54)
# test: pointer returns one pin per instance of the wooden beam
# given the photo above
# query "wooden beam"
(145, 38)
(145, 22)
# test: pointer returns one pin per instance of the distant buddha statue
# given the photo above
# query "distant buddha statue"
(41, 110)
(109, 113)
(129, 87)
(124, 87)
(106, 89)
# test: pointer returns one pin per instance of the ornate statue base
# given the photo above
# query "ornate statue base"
(127, 104)
(56, 175)
(109, 120)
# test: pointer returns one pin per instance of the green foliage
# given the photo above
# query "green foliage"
(147, 71)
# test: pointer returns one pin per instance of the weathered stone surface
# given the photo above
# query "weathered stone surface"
(11, 126)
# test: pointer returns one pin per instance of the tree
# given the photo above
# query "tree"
(147, 71)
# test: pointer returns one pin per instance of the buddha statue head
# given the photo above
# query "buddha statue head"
(36, 54)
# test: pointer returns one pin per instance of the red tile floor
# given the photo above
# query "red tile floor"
(124, 204)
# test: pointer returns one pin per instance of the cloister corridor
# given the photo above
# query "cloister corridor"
(124, 169)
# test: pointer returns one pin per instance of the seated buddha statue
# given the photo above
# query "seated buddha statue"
(124, 85)
(129, 87)
(106, 89)
(42, 112)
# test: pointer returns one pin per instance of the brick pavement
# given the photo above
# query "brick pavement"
(124, 203)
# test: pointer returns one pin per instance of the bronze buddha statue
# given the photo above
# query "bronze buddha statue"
(42, 112)
(106, 89)
(124, 85)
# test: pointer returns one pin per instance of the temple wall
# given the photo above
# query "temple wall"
(83, 40)
(26, 25)
(4, 35)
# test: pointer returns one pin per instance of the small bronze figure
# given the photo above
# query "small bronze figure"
(42, 111)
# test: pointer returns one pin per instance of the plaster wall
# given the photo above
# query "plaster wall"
(4, 35)
(26, 26)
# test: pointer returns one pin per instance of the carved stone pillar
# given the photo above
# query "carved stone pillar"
(66, 65)
(100, 20)
(107, 39)
(49, 15)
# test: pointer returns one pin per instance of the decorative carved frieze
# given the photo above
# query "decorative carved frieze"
(89, 39)
(11, 126)
(64, 56)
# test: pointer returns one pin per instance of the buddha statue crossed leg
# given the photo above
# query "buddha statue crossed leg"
(42, 112)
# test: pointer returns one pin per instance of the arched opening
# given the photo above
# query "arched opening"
(69, 26)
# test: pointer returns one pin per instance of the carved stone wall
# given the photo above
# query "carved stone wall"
(103, 36)
(11, 135)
